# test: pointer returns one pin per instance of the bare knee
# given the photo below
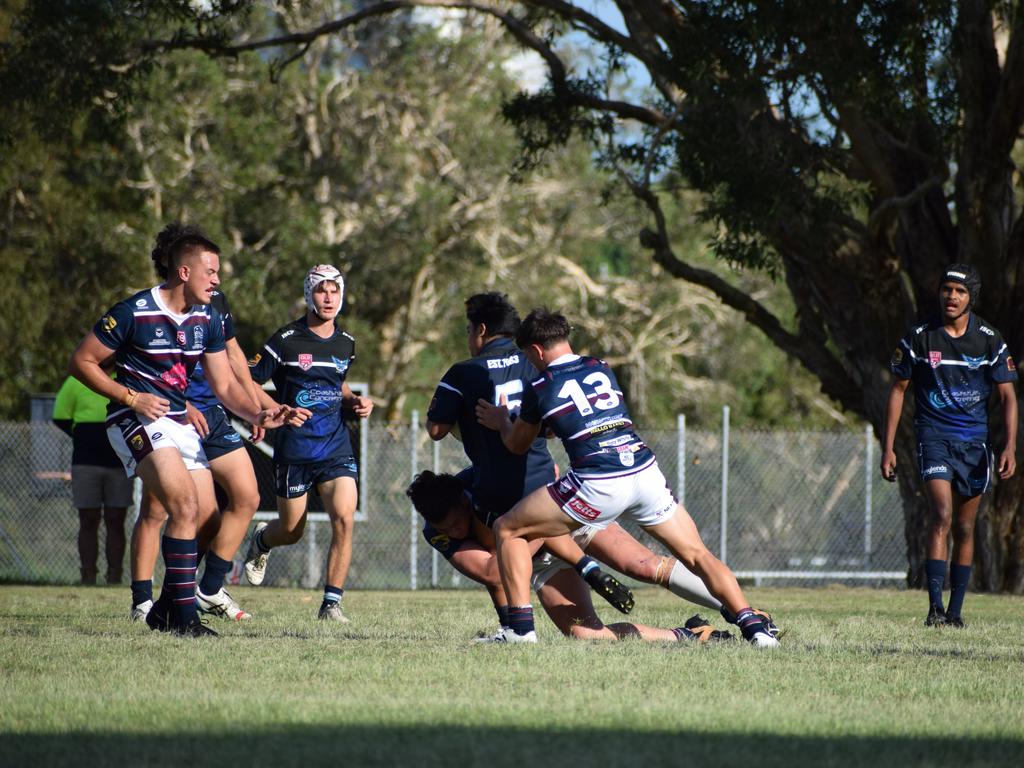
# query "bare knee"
(942, 518)
(647, 569)
(963, 530)
(294, 534)
(245, 502)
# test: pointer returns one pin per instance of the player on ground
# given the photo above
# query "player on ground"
(229, 462)
(613, 473)
(308, 360)
(500, 478)
(157, 336)
(447, 507)
(953, 361)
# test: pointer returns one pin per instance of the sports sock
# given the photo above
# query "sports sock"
(959, 576)
(260, 544)
(682, 634)
(217, 568)
(520, 618)
(502, 611)
(180, 578)
(688, 586)
(332, 594)
(749, 623)
(935, 572)
(142, 590)
(586, 565)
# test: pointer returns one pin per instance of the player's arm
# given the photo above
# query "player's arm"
(240, 367)
(86, 365)
(362, 406)
(474, 561)
(893, 409)
(230, 392)
(1008, 458)
(517, 435)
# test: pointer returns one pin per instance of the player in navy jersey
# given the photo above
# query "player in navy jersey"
(612, 473)
(500, 478)
(953, 361)
(156, 337)
(308, 361)
(447, 506)
(229, 463)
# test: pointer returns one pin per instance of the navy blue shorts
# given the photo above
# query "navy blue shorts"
(966, 464)
(222, 438)
(294, 480)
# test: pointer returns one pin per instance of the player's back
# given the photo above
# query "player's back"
(579, 399)
(500, 370)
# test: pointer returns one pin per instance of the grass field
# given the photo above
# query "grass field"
(859, 681)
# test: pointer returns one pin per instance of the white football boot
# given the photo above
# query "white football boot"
(255, 560)
(221, 604)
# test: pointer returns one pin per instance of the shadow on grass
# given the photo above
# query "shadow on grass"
(464, 746)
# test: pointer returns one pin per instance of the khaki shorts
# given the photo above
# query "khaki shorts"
(94, 487)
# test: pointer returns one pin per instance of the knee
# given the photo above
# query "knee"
(246, 502)
(963, 530)
(941, 520)
(185, 510)
(114, 518)
(294, 534)
(646, 569)
(89, 519)
(503, 530)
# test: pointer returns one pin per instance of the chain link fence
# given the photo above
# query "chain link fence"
(791, 505)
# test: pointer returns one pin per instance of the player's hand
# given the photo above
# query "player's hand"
(888, 466)
(272, 418)
(362, 406)
(195, 417)
(1007, 463)
(150, 406)
(256, 433)
(490, 415)
(297, 416)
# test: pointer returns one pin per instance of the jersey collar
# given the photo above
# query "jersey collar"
(494, 344)
(564, 359)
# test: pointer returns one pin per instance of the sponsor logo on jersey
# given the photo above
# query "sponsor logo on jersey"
(935, 469)
(627, 458)
(140, 302)
(320, 396)
(255, 359)
(305, 362)
(109, 323)
(339, 365)
(973, 363)
(620, 440)
(986, 330)
(441, 542)
(935, 358)
(182, 340)
(158, 332)
(156, 436)
(177, 377)
(197, 335)
(581, 508)
(296, 489)
(137, 443)
(286, 334)
(503, 362)
(233, 437)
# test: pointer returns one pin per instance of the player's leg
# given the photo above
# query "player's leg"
(88, 542)
(536, 516)
(340, 497)
(113, 522)
(616, 548)
(145, 545)
(603, 583)
(964, 518)
(234, 473)
(940, 508)
(293, 483)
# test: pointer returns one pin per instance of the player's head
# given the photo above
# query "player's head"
(959, 290)
(489, 315)
(176, 240)
(324, 290)
(442, 502)
(542, 333)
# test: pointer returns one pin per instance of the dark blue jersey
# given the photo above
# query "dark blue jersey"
(953, 377)
(442, 542)
(579, 399)
(199, 392)
(308, 371)
(500, 477)
(155, 349)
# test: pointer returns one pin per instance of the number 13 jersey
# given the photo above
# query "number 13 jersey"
(579, 399)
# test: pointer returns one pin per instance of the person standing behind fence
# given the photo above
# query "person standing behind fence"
(953, 360)
(99, 488)
(308, 360)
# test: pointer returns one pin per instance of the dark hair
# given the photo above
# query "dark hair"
(433, 496)
(966, 275)
(543, 327)
(175, 241)
(493, 310)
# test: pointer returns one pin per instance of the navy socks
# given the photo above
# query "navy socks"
(935, 572)
(217, 569)
(959, 576)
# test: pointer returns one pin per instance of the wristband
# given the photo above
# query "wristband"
(130, 397)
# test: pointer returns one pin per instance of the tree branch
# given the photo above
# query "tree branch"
(905, 201)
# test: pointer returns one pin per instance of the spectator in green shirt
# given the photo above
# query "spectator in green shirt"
(99, 487)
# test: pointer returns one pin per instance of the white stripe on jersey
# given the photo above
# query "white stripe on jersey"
(179, 351)
(273, 354)
(568, 406)
(449, 386)
(310, 365)
(165, 313)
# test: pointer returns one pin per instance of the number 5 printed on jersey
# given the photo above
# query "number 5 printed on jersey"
(508, 389)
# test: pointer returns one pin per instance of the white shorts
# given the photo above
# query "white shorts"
(134, 437)
(642, 496)
(546, 565)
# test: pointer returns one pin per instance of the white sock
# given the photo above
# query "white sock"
(688, 586)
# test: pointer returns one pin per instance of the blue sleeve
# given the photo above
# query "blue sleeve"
(439, 541)
(529, 411)
(446, 404)
(1004, 369)
(215, 337)
(115, 328)
(263, 364)
(227, 317)
(901, 364)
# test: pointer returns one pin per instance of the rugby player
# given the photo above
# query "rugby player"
(496, 370)
(446, 505)
(308, 360)
(953, 361)
(157, 336)
(229, 463)
(612, 473)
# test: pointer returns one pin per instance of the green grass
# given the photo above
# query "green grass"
(859, 681)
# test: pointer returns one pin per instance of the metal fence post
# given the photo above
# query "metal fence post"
(413, 429)
(433, 552)
(869, 445)
(723, 546)
(681, 455)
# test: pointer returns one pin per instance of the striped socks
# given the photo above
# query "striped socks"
(520, 619)
(180, 580)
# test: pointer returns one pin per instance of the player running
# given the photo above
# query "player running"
(157, 336)
(613, 473)
(308, 360)
(953, 360)
(229, 463)
(500, 478)
(447, 507)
